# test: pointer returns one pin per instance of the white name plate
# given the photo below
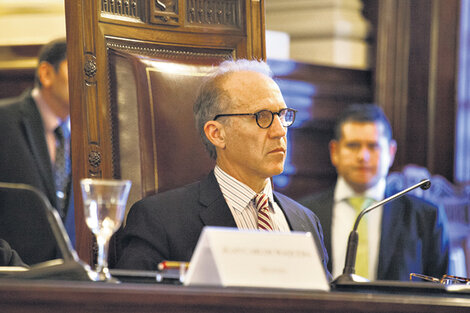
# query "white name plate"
(231, 257)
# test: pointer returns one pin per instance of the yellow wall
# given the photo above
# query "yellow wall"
(28, 23)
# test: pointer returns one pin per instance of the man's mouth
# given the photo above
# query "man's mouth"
(278, 150)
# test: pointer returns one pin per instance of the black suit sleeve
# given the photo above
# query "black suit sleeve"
(8, 256)
(143, 240)
(436, 260)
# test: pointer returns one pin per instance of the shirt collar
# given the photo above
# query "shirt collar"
(50, 120)
(343, 191)
(237, 194)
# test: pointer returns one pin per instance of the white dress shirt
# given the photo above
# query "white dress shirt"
(50, 122)
(239, 199)
(343, 220)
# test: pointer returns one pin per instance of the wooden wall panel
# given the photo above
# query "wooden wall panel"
(319, 93)
(17, 68)
(462, 127)
(415, 78)
(14, 82)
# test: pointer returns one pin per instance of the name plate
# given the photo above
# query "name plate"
(243, 258)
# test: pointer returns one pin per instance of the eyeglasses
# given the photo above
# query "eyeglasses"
(446, 279)
(264, 118)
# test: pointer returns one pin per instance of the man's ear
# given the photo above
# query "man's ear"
(215, 132)
(392, 150)
(334, 152)
(45, 74)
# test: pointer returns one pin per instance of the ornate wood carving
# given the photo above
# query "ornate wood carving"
(226, 13)
(90, 69)
(165, 12)
(94, 160)
(169, 53)
(123, 8)
(218, 14)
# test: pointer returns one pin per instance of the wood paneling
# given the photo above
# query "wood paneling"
(17, 68)
(319, 93)
(415, 79)
(462, 127)
(14, 82)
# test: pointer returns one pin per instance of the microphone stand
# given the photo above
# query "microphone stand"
(70, 267)
(349, 271)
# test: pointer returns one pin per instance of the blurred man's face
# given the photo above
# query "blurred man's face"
(363, 155)
(60, 87)
(55, 87)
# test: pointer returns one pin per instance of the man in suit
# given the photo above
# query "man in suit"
(30, 154)
(406, 235)
(243, 120)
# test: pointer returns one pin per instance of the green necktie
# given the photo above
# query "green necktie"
(362, 257)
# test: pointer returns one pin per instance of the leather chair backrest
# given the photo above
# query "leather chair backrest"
(134, 68)
(156, 142)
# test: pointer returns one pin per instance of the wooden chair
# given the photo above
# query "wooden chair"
(134, 69)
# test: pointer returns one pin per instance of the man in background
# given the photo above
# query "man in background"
(35, 141)
(406, 235)
(242, 118)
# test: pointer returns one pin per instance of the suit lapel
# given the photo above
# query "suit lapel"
(215, 211)
(392, 216)
(325, 214)
(295, 221)
(34, 132)
(323, 208)
(322, 205)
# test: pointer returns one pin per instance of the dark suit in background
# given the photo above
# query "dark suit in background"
(413, 233)
(413, 238)
(167, 226)
(32, 152)
(24, 158)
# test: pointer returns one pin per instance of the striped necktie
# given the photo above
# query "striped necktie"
(362, 257)
(262, 207)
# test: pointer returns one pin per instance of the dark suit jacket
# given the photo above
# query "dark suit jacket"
(8, 256)
(24, 158)
(414, 236)
(167, 226)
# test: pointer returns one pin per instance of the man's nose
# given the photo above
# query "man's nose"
(276, 128)
(364, 153)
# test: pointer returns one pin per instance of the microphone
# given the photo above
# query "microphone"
(70, 267)
(349, 271)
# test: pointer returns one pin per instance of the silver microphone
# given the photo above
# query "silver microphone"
(350, 262)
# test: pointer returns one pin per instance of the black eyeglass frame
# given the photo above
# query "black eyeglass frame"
(257, 114)
(445, 279)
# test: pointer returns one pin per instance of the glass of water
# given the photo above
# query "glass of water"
(104, 203)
